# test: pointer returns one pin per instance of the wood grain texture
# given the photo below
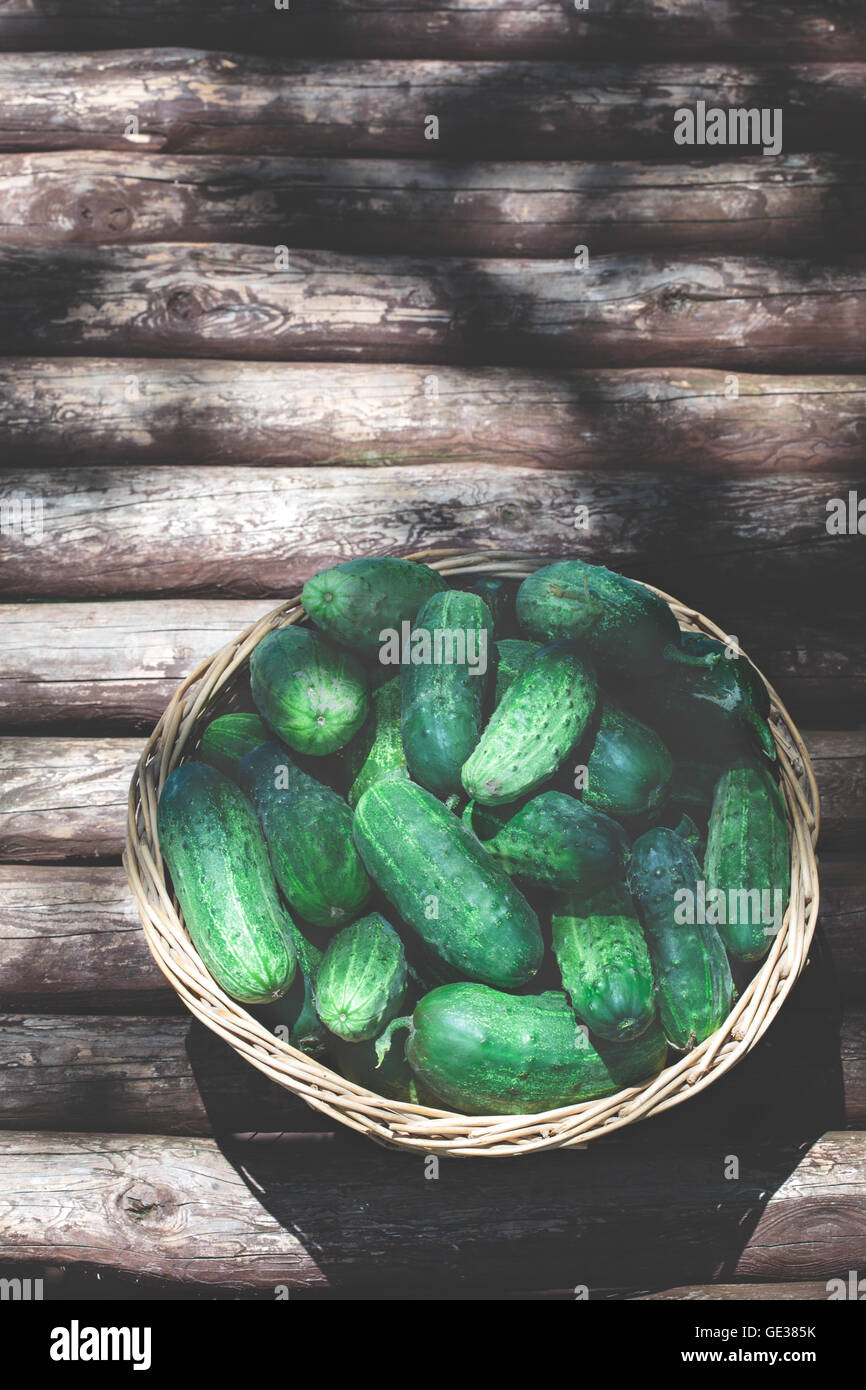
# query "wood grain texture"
(71, 938)
(190, 101)
(713, 542)
(228, 300)
(86, 411)
(180, 1209)
(101, 666)
(452, 28)
(65, 798)
(751, 205)
(71, 941)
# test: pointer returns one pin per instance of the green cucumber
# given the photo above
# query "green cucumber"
(693, 783)
(357, 602)
(688, 831)
(361, 981)
(293, 1018)
(376, 753)
(628, 768)
(748, 858)
(229, 738)
(693, 978)
(605, 964)
(512, 656)
(487, 1053)
(445, 886)
(308, 829)
(539, 721)
(214, 848)
(442, 700)
(701, 699)
(311, 694)
(622, 624)
(552, 840)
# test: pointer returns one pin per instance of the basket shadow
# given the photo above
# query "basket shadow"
(672, 1201)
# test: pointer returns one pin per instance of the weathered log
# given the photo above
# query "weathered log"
(481, 29)
(188, 101)
(65, 798)
(63, 665)
(381, 206)
(167, 1075)
(90, 411)
(180, 1209)
(733, 1293)
(71, 941)
(177, 299)
(714, 542)
(71, 938)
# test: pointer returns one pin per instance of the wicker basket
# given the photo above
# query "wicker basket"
(417, 1127)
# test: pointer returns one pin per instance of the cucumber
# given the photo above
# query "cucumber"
(552, 840)
(700, 700)
(539, 721)
(229, 738)
(442, 702)
(212, 843)
(688, 831)
(445, 886)
(362, 979)
(358, 601)
(488, 1053)
(605, 964)
(376, 752)
(748, 858)
(294, 1017)
(623, 625)
(693, 783)
(391, 1076)
(694, 988)
(512, 656)
(311, 694)
(308, 829)
(628, 768)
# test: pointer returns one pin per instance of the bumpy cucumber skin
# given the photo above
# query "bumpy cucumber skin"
(356, 601)
(605, 964)
(442, 706)
(213, 845)
(294, 1016)
(308, 830)
(426, 862)
(229, 738)
(376, 753)
(623, 625)
(311, 694)
(747, 848)
(512, 656)
(700, 699)
(541, 718)
(487, 1053)
(694, 988)
(552, 840)
(628, 768)
(361, 981)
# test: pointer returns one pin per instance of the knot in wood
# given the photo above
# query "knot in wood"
(184, 304)
(146, 1204)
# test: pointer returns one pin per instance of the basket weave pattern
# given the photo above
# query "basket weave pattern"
(416, 1127)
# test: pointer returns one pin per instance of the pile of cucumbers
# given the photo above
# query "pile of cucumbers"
(496, 848)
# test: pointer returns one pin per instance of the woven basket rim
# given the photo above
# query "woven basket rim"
(426, 1129)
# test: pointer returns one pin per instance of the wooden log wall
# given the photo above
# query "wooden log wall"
(255, 320)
